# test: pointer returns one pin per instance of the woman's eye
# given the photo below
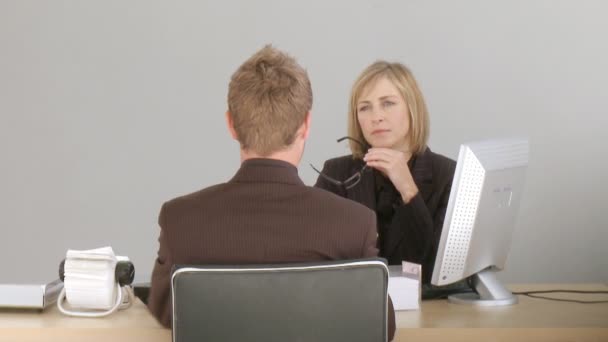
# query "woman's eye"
(364, 108)
(388, 103)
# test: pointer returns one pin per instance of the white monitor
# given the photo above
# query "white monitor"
(480, 217)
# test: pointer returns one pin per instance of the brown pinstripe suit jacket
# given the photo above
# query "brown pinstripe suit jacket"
(264, 214)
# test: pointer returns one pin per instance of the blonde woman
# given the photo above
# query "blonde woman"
(391, 169)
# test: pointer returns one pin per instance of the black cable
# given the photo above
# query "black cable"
(567, 300)
(563, 291)
(534, 294)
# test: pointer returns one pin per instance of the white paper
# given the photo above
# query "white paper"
(404, 286)
(89, 278)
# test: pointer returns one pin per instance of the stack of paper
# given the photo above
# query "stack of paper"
(89, 278)
(404, 286)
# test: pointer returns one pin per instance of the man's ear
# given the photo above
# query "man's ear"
(305, 128)
(230, 125)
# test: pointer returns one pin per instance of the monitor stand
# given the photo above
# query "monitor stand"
(490, 292)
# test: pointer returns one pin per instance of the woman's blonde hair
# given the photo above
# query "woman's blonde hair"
(406, 84)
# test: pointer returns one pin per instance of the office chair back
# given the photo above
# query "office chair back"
(328, 301)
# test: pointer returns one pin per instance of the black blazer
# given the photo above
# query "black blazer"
(414, 232)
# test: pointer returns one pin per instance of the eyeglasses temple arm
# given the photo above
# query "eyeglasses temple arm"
(327, 178)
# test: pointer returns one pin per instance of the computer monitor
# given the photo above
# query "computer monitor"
(480, 217)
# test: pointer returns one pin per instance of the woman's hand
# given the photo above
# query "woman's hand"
(393, 164)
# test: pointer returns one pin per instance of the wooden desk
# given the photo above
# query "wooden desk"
(133, 324)
(530, 320)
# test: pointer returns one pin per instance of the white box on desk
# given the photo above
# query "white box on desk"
(404, 286)
(29, 296)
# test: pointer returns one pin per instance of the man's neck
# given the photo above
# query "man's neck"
(288, 156)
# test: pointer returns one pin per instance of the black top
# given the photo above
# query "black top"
(388, 200)
(409, 231)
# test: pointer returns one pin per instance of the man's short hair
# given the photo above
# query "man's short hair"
(268, 98)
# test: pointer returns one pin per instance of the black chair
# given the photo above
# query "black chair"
(324, 301)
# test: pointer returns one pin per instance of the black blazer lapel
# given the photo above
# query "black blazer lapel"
(422, 172)
(363, 192)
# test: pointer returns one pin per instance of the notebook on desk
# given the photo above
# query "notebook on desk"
(29, 295)
(23, 286)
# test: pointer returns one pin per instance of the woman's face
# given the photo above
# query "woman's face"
(384, 116)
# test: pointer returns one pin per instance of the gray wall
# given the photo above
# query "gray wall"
(109, 108)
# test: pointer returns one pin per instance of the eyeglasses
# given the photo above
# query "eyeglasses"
(352, 180)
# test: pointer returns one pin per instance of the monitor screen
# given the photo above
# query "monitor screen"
(480, 217)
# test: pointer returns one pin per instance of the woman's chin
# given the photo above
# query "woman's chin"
(381, 144)
(387, 143)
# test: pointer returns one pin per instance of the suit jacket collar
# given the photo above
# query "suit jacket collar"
(263, 170)
(423, 174)
(365, 191)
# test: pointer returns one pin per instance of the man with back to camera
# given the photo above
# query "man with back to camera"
(265, 213)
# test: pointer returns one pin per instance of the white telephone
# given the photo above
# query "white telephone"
(96, 282)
